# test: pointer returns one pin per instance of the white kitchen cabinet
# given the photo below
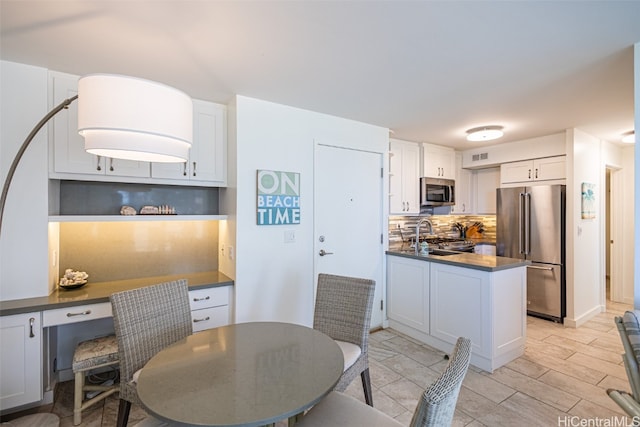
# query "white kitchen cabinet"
(404, 178)
(485, 183)
(463, 189)
(209, 307)
(408, 292)
(487, 307)
(207, 156)
(546, 169)
(67, 146)
(20, 359)
(438, 162)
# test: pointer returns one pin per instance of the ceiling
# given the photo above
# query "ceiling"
(427, 70)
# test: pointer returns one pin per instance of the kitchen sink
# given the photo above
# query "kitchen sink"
(442, 252)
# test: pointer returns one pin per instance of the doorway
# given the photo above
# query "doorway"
(348, 214)
(614, 290)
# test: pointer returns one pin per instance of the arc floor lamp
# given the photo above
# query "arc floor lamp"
(125, 118)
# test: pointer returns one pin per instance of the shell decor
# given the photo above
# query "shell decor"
(73, 279)
(127, 210)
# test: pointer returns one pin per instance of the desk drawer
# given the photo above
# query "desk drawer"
(209, 297)
(78, 313)
(208, 318)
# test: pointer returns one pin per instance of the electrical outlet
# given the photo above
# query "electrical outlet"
(230, 252)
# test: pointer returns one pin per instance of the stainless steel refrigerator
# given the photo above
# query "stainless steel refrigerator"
(531, 225)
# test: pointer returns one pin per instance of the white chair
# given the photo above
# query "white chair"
(629, 330)
(436, 407)
(343, 311)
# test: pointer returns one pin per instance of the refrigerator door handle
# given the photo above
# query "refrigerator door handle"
(527, 223)
(521, 223)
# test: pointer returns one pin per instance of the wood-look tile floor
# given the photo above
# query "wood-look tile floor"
(561, 380)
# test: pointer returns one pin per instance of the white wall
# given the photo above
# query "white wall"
(636, 181)
(23, 243)
(273, 279)
(584, 245)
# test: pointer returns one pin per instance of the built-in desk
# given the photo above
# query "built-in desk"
(28, 354)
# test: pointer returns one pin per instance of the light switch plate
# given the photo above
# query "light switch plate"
(289, 236)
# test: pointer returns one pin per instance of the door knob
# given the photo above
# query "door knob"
(323, 252)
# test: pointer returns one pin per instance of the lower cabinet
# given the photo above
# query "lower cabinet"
(408, 298)
(209, 307)
(436, 303)
(20, 359)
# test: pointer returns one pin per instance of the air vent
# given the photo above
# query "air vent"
(481, 156)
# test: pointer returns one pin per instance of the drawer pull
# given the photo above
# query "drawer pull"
(31, 322)
(83, 313)
(201, 320)
(202, 299)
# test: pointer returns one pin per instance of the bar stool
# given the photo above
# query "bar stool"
(92, 354)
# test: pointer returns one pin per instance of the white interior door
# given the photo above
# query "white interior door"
(348, 216)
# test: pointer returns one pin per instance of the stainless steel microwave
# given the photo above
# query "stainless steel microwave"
(437, 192)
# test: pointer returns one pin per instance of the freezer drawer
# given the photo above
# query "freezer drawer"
(545, 295)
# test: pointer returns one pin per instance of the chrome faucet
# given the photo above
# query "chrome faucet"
(422, 220)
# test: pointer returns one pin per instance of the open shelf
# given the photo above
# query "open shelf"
(129, 218)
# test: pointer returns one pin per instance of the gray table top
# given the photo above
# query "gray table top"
(247, 374)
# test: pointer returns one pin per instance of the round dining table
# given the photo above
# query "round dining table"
(246, 374)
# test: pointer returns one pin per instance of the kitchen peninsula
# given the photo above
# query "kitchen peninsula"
(437, 298)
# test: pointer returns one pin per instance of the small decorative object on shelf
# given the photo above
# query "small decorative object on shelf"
(127, 210)
(158, 210)
(149, 210)
(73, 279)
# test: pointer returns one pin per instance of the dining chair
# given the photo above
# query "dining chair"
(435, 408)
(343, 312)
(146, 320)
(629, 330)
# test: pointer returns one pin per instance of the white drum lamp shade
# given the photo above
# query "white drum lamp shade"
(135, 119)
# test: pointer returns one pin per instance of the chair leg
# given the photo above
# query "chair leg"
(123, 413)
(77, 398)
(366, 385)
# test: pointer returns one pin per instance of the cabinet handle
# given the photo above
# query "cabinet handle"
(201, 320)
(194, 168)
(201, 299)
(98, 167)
(31, 322)
(111, 164)
(184, 172)
(82, 313)
(536, 173)
(529, 173)
(464, 207)
(407, 206)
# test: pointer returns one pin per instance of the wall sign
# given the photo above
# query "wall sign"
(278, 198)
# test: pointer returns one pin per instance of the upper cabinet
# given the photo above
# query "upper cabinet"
(439, 162)
(463, 188)
(207, 157)
(485, 183)
(404, 177)
(547, 169)
(67, 153)
(207, 165)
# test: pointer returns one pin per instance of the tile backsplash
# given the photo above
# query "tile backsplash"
(403, 228)
(126, 250)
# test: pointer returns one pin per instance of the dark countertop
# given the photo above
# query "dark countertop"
(93, 293)
(465, 259)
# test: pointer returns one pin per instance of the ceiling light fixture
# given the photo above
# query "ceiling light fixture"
(629, 137)
(124, 118)
(484, 133)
